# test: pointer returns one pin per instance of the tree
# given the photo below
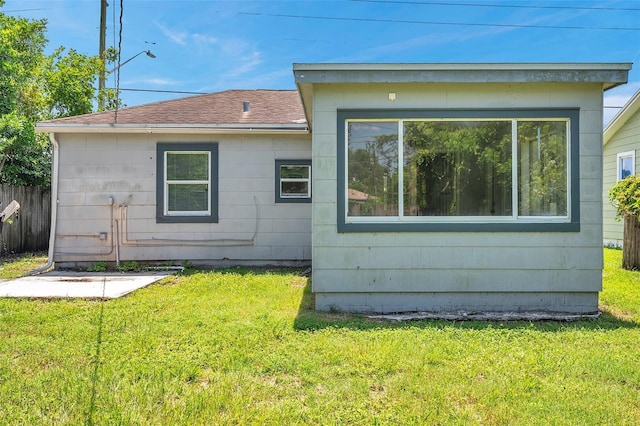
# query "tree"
(36, 87)
(109, 99)
(69, 83)
(373, 170)
(25, 158)
(21, 45)
(458, 168)
(625, 197)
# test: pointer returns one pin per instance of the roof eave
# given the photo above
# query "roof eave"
(305, 91)
(608, 74)
(301, 128)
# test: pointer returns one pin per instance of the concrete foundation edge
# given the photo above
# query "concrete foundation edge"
(575, 303)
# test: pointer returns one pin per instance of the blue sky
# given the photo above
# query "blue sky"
(209, 46)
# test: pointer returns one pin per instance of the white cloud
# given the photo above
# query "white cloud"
(621, 95)
(246, 64)
(152, 81)
(228, 58)
(161, 81)
(204, 39)
(178, 37)
(183, 38)
(278, 79)
(618, 97)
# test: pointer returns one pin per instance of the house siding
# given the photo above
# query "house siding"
(624, 140)
(409, 271)
(107, 203)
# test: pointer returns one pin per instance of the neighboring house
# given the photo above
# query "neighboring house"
(432, 186)
(621, 140)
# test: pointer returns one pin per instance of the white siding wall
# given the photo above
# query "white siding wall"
(626, 139)
(96, 168)
(387, 272)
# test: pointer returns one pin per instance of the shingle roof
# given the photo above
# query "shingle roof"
(355, 195)
(266, 107)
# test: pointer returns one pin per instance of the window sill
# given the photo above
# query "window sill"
(515, 226)
(186, 219)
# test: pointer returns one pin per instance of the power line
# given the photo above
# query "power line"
(23, 10)
(119, 58)
(513, 6)
(184, 92)
(188, 92)
(406, 21)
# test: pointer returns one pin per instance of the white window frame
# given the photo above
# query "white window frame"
(168, 182)
(461, 219)
(619, 157)
(303, 180)
(282, 197)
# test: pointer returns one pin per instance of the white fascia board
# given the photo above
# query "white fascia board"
(173, 128)
(625, 113)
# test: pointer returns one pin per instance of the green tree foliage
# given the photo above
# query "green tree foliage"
(108, 98)
(373, 169)
(542, 169)
(625, 196)
(459, 167)
(36, 87)
(21, 45)
(367, 167)
(25, 156)
(69, 83)
(21, 59)
(456, 168)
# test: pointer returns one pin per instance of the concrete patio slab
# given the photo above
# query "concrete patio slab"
(86, 285)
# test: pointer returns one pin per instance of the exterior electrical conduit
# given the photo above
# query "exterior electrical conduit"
(115, 228)
(212, 242)
(94, 236)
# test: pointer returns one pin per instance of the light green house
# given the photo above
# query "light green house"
(621, 140)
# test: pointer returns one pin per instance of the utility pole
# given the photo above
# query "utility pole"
(103, 34)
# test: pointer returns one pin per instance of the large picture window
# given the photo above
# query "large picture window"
(458, 170)
(187, 182)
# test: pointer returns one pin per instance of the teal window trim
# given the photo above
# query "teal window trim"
(161, 149)
(537, 224)
(278, 184)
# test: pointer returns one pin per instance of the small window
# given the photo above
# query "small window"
(626, 164)
(187, 187)
(293, 181)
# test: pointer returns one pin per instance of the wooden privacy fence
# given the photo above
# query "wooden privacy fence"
(29, 230)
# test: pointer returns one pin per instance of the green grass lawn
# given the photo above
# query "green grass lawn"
(241, 347)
